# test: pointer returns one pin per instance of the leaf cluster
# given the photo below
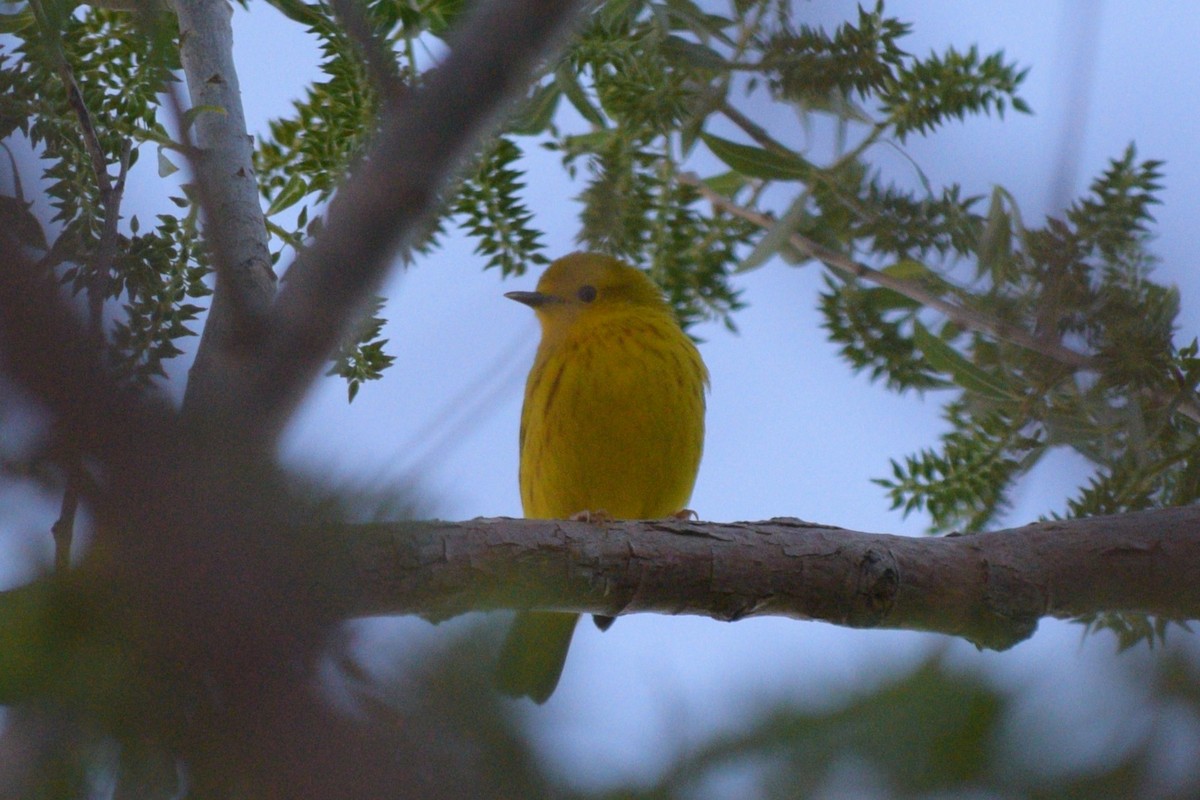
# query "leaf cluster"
(491, 212)
(81, 91)
(631, 105)
(362, 358)
(1058, 337)
(1082, 281)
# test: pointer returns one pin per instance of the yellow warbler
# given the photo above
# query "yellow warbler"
(613, 421)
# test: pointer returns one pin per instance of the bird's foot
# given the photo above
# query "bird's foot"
(597, 517)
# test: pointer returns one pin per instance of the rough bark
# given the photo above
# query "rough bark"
(258, 352)
(423, 139)
(989, 588)
(235, 228)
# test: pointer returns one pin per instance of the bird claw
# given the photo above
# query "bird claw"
(597, 517)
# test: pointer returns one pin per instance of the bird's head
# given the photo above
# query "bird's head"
(588, 285)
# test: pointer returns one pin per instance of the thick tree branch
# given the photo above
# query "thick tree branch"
(265, 358)
(989, 588)
(421, 141)
(235, 227)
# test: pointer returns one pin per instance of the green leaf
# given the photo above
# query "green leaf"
(755, 162)
(967, 375)
(995, 241)
(442, 16)
(292, 192)
(568, 81)
(880, 298)
(1077, 430)
(908, 269)
(537, 111)
(693, 54)
(14, 23)
(165, 167)
(616, 12)
(777, 235)
(592, 141)
(727, 184)
(190, 116)
(298, 11)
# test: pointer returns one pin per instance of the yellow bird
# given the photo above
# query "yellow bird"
(613, 422)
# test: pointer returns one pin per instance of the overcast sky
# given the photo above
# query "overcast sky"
(791, 432)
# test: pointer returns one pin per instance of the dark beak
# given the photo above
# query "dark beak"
(531, 299)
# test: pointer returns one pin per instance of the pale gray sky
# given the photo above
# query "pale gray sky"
(791, 431)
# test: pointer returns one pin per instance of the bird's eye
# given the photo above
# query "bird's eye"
(586, 293)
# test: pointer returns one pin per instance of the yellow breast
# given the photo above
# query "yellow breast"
(613, 417)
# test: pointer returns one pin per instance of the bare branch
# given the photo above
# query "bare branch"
(419, 146)
(379, 60)
(989, 588)
(235, 228)
(966, 317)
(63, 529)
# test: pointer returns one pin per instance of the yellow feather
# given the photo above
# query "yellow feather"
(613, 421)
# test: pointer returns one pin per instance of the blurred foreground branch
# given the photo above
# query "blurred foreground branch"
(420, 144)
(188, 634)
(989, 588)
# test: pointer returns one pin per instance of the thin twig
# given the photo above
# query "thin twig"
(90, 140)
(101, 265)
(63, 529)
(371, 217)
(378, 58)
(966, 317)
(106, 252)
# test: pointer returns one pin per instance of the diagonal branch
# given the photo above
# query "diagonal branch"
(989, 588)
(420, 145)
(376, 55)
(966, 317)
(235, 228)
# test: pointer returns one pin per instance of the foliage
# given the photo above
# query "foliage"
(362, 357)
(1083, 281)
(936, 732)
(492, 213)
(1035, 337)
(648, 94)
(82, 90)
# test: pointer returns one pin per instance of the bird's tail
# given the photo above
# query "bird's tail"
(534, 653)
